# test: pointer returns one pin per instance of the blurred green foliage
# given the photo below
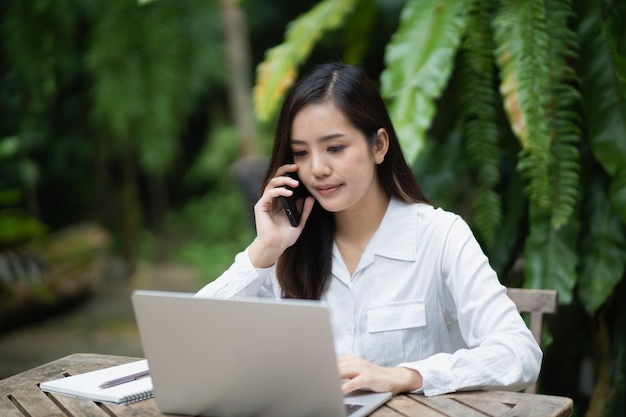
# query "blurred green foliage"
(210, 228)
(215, 227)
(17, 175)
(15, 226)
(512, 114)
(104, 106)
(117, 112)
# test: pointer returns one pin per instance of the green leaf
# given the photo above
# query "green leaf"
(550, 255)
(479, 98)
(603, 87)
(522, 57)
(420, 59)
(618, 192)
(487, 207)
(442, 170)
(563, 123)
(603, 248)
(508, 237)
(279, 70)
(357, 31)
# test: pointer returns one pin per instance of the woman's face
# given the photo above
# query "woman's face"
(335, 161)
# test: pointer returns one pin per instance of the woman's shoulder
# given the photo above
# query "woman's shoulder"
(425, 216)
(437, 221)
(435, 215)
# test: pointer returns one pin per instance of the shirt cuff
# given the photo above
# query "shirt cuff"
(241, 279)
(434, 380)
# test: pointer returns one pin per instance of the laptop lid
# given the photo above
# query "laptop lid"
(239, 357)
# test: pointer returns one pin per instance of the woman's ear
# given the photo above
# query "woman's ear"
(381, 145)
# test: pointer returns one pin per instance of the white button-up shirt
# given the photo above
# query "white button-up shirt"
(422, 296)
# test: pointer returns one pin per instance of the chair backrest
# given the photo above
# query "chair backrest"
(536, 303)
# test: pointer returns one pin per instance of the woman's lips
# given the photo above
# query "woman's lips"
(326, 190)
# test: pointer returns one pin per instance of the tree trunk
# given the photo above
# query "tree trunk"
(238, 52)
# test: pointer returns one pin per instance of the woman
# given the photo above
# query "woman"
(414, 304)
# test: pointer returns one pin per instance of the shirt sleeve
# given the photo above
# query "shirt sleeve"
(501, 351)
(242, 279)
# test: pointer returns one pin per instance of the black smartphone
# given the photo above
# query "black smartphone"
(290, 203)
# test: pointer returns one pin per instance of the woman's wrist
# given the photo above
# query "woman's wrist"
(411, 379)
(262, 256)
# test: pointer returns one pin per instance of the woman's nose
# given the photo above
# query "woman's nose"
(319, 166)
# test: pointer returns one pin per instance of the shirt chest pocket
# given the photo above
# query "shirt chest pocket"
(396, 316)
(395, 332)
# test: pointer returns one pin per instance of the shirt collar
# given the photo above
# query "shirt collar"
(396, 236)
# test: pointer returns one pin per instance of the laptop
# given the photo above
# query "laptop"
(243, 357)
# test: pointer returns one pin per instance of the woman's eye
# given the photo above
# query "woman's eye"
(297, 154)
(334, 149)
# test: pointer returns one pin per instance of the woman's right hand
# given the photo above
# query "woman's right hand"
(274, 231)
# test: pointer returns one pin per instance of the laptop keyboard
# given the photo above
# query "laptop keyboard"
(351, 408)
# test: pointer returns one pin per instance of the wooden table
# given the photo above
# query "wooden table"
(20, 396)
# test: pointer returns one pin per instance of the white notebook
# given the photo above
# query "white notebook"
(87, 385)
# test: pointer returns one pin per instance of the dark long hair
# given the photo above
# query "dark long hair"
(304, 269)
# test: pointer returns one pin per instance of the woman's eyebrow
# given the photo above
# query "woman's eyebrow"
(325, 138)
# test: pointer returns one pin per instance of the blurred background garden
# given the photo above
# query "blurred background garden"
(134, 134)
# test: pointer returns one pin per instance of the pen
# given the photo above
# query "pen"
(124, 379)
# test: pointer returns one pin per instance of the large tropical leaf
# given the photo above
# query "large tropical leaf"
(420, 59)
(550, 254)
(480, 99)
(563, 122)
(522, 56)
(603, 248)
(443, 172)
(357, 31)
(279, 70)
(603, 75)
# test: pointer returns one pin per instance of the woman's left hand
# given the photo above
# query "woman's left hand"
(362, 374)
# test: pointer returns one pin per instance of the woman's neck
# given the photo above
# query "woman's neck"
(355, 227)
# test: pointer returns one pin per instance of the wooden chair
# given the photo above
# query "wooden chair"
(536, 303)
